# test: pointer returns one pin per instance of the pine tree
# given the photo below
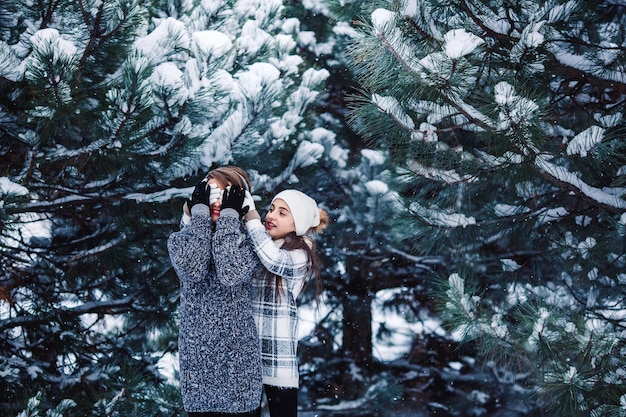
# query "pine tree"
(360, 258)
(111, 112)
(506, 122)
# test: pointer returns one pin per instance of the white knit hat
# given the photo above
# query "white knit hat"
(303, 209)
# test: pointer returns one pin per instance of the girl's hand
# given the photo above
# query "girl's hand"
(199, 195)
(233, 198)
(249, 201)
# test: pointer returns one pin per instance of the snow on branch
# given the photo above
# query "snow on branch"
(466, 306)
(422, 262)
(443, 176)
(433, 112)
(167, 38)
(374, 157)
(8, 187)
(209, 44)
(252, 38)
(11, 67)
(391, 37)
(159, 196)
(585, 65)
(98, 249)
(459, 43)
(392, 107)
(261, 79)
(101, 306)
(308, 153)
(456, 44)
(514, 109)
(602, 196)
(51, 66)
(106, 307)
(585, 141)
(470, 112)
(45, 206)
(458, 297)
(508, 158)
(442, 218)
(529, 39)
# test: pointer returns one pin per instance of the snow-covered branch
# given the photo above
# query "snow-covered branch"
(605, 197)
(100, 307)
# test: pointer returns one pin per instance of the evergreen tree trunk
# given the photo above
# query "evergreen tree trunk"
(357, 317)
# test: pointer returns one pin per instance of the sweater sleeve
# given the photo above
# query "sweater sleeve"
(292, 265)
(198, 209)
(190, 249)
(235, 260)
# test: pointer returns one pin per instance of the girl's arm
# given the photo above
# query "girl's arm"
(190, 248)
(235, 260)
(292, 265)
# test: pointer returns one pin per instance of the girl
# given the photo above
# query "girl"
(289, 260)
(220, 362)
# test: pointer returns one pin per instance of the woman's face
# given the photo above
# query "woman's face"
(278, 220)
(217, 206)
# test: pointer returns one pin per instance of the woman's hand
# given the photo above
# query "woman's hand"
(199, 195)
(234, 198)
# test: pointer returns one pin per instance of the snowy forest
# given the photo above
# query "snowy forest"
(470, 154)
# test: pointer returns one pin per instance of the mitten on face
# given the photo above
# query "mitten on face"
(199, 195)
(215, 193)
(233, 198)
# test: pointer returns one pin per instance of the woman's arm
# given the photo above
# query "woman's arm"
(235, 260)
(190, 248)
(292, 265)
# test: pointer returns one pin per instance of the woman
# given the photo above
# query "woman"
(220, 368)
(289, 261)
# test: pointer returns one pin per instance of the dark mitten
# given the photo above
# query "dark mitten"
(199, 195)
(233, 198)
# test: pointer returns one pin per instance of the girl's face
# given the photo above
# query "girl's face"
(217, 206)
(278, 220)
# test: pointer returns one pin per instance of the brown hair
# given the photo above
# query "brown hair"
(305, 243)
(231, 175)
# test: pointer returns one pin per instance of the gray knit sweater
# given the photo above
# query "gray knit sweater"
(220, 368)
